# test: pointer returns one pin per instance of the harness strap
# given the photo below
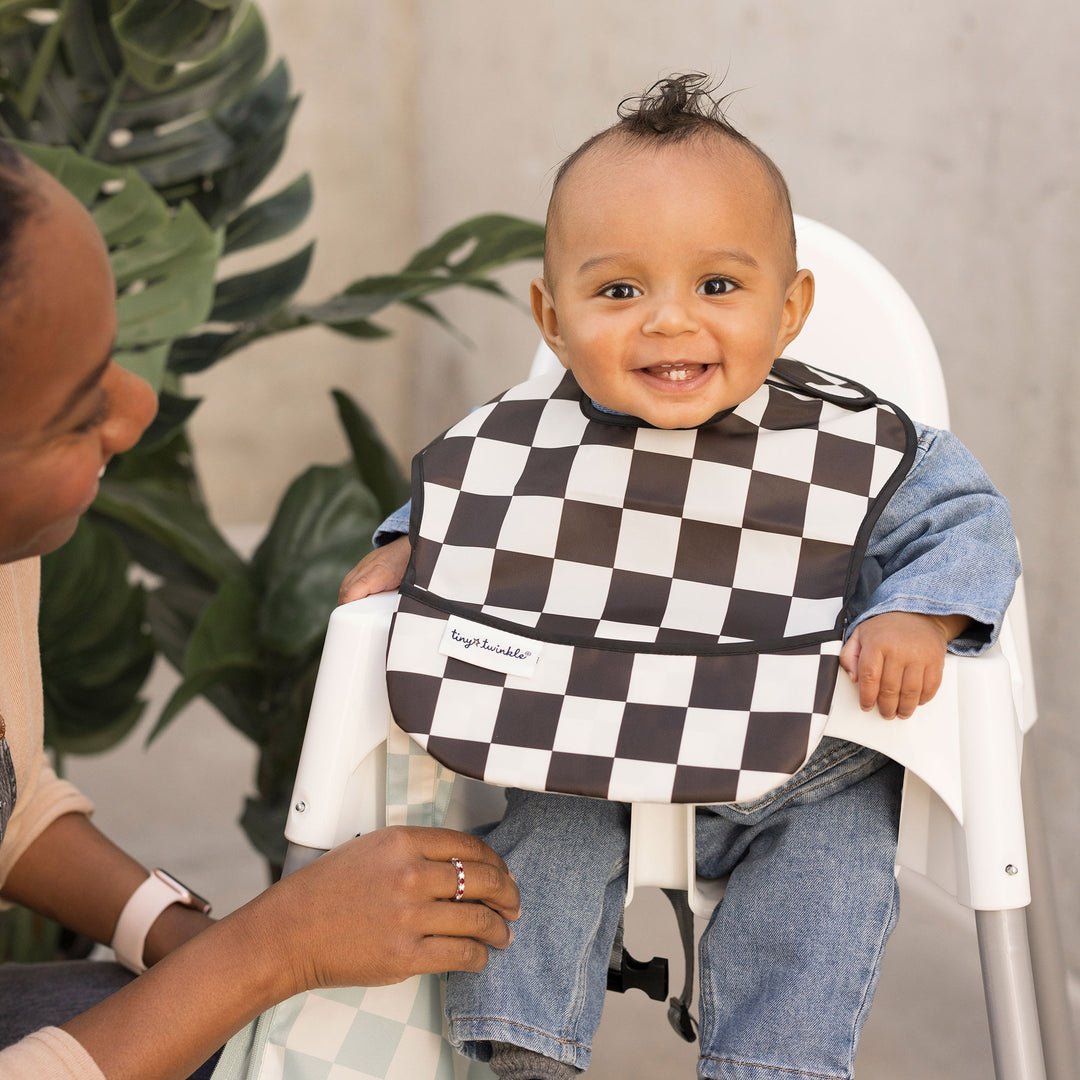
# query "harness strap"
(679, 1007)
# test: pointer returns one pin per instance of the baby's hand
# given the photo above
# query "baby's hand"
(378, 571)
(897, 659)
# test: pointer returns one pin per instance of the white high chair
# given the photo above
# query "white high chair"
(962, 820)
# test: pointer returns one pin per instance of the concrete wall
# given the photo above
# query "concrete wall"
(941, 136)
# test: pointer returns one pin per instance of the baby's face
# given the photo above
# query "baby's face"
(669, 285)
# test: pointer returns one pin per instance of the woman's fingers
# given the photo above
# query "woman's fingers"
(476, 921)
(438, 954)
(388, 895)
(487, 879)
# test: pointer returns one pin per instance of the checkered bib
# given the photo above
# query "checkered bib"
(598, 607)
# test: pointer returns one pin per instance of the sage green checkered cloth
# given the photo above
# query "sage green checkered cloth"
(375, 1033)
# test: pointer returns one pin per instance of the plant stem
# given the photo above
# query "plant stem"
(27, 100)
(108, 107)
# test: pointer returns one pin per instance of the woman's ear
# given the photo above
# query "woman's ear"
(797, 305)
(543, 309)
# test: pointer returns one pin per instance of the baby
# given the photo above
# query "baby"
(670, 288)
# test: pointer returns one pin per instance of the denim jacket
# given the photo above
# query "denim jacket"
(944, 544)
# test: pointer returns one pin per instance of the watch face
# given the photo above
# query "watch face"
(185, 895)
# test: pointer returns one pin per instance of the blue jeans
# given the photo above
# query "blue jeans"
(789, 959)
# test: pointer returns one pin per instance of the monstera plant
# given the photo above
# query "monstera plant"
(164, 117)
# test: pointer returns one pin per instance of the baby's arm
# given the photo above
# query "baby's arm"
(382, 569)
(939, 573)
(897, 658)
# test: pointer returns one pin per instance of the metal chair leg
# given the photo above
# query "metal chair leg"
(1047, 955)
(1010, 995)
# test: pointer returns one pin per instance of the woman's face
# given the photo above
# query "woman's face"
(65, 406)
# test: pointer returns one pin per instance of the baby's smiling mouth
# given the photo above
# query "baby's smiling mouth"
(677, 372)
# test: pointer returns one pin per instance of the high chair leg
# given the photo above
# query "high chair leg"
(1010, 995)
(297, 856)
(1048, 968)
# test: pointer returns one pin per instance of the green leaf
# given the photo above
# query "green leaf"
(247, 297)
(148, 362)
(257, 123)
(222, 643)
(263, 822)
(322, 525)
(480, 245)
(27, 937)
(219, 79)
(95, 651)
(172, 520)
(164, 261)
(371, 295)
(376, 466)
(173, 412)
(361, 329)
(156, 35)
(271, 218)
(430, 311)
(462, 256)
(172, 610)
(197, 352)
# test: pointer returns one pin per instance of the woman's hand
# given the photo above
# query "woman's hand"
(373, 911)
(378, 909)
(378, 571)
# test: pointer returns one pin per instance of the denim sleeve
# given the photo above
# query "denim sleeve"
(944, 545)
(397, 524)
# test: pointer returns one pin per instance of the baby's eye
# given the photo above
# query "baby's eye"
(717, 286)
(621, 291)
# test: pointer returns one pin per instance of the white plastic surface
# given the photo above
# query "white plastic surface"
(961, 826)
(961, 823)
(340, 787)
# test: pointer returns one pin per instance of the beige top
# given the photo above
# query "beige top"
(50, 1054)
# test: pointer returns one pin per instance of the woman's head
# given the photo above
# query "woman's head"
(16, 204)
(65, 406)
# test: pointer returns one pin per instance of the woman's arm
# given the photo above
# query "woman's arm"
(74, 874)
(371, 912)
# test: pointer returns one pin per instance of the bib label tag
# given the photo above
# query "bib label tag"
(488, 647)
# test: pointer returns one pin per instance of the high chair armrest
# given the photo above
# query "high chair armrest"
(962, 822)
(340, 787)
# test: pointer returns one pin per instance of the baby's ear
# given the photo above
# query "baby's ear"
(797, 305)
(547, 319)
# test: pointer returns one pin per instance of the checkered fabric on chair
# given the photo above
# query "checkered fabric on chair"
(599, 607)
(355, 1033)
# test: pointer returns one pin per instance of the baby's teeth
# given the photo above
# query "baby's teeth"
(676, 374)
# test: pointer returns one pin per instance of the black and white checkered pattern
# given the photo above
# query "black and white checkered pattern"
(680, 593)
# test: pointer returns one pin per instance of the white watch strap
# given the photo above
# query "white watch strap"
(144, 905)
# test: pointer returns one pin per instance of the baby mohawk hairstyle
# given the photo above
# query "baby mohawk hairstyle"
(675, 110)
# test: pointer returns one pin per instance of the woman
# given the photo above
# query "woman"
(371, 912)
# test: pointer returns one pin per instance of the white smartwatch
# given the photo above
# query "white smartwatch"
(159, 891)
